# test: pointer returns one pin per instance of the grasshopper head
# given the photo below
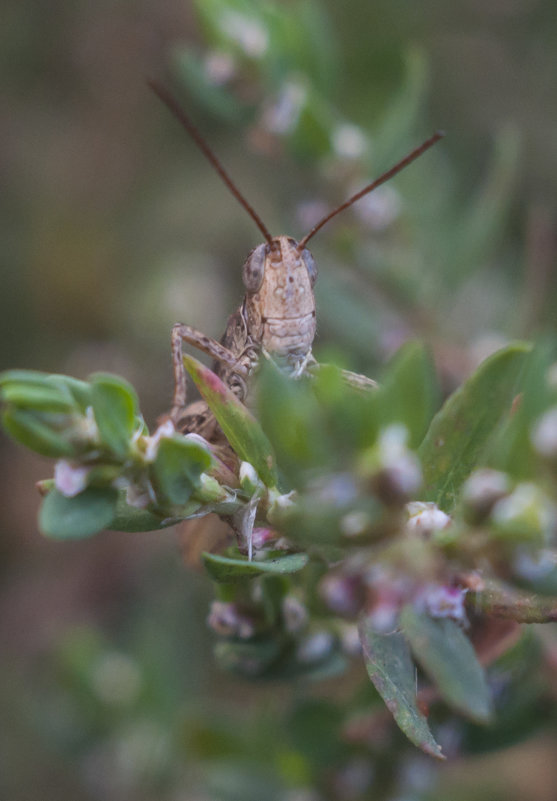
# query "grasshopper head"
(279, 304)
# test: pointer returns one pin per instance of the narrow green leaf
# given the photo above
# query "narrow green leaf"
(115, 408)
(34, 431)
(86, 514)
(447, 656)
(390, 668)
(460, 431)
(240, 427)
(178, 466)
(408, 391)
(513, 450)
(226, 569)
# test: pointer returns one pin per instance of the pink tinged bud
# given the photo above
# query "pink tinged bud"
(70, 479)
(444, 601)
(425, 517)
(262, 536)
(227, 620)
(344, 595)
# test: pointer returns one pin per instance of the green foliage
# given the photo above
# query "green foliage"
(229, 569)
(448, 658)
(241, 428)
(354, 525)
(75, 518)
(390, 667)
(115, 408)
(459, 435)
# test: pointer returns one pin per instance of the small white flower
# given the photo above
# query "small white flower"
(246, 31)
(70, 479)
(354, 524)
(425, 517)
(379, 209)
(484, 487)
(294, 613)
(349, 141)
(220, 67)
(249, 479)
(167, 430)
(315, 647)
(544, 435)
(282, 116)
(137, 497)
(526, 514)
(400, 464)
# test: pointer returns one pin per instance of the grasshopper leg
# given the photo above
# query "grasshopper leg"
(185, 333)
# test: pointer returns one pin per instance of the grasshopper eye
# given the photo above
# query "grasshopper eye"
(254, 267)
(310, 265)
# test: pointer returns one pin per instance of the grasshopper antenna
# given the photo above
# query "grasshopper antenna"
(414, 154)
(170, 101)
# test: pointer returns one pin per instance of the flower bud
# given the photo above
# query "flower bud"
(526, 515)
(444, 601)
(482, 490)
(544, 434)
(425, 517)
(228, 621)
(70, 479)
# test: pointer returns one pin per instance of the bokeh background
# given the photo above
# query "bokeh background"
(113, 227)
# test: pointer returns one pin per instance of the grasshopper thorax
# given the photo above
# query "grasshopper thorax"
(279, 307)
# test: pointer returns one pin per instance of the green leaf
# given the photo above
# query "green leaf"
(251, 658)
(408, 391)
(513, 450)
(79, 390)
(131, 519)
(28, 377)
(226, 569)
(457, 438)
(86, 514)
(178, 466)
(447, 656)
(37, 432)
(240, 427)
(115, 408)
(42, 398)
(390, 668)
(292, 418)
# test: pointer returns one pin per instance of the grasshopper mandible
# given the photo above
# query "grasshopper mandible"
(276, 319)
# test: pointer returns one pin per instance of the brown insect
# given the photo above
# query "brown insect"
(276, 319)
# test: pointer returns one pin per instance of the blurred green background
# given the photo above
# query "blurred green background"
(113, 227)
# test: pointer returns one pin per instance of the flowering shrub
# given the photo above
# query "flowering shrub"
(356, 515)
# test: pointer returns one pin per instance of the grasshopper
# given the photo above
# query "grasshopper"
(276, 319)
